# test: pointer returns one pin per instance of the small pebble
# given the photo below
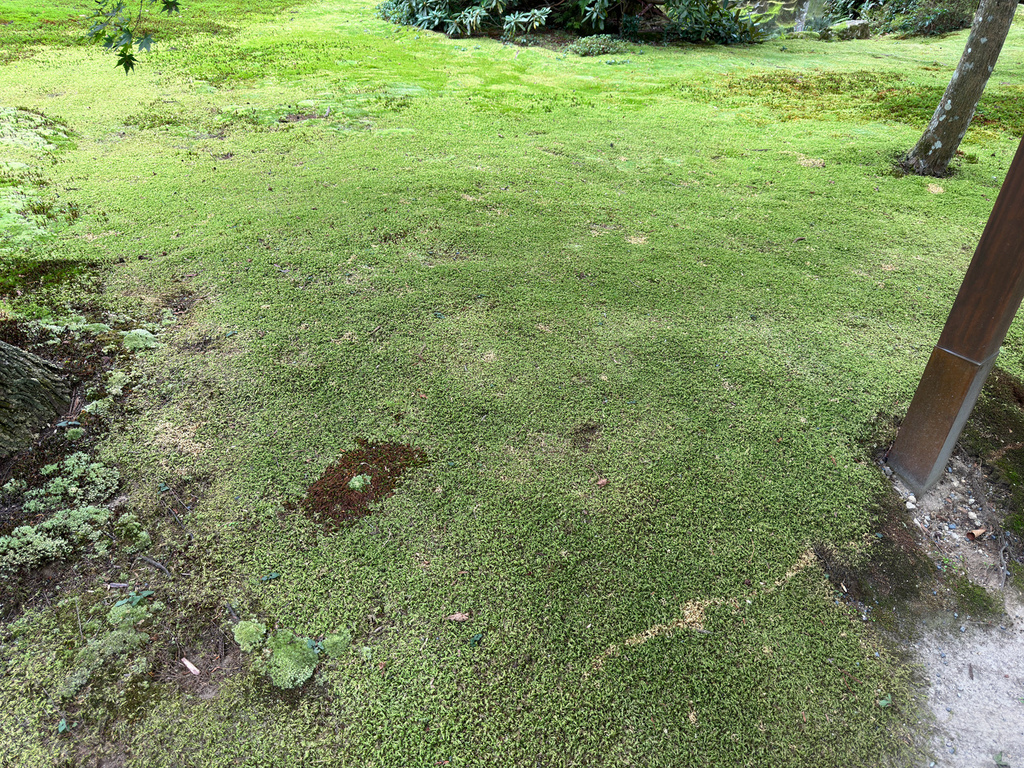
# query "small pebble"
(963, 628)
(911, 505)
(952, 526)
(912, 498)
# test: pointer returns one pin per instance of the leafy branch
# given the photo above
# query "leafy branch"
(116, 26)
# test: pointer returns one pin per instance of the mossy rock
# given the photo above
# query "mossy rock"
(851, 30)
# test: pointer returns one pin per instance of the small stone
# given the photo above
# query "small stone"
(887, 471)
(970, 501)
(912, 498)
(963, 628)
(911, 505)
(952, 526)
(973, 516)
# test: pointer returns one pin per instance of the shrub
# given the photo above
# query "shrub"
(293, 660)
(711, 21)
(596, 45)
(463, 19)
(849, 9)
(715, 21)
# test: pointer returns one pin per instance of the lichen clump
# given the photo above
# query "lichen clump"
(69, 502)
(293, 660)
(249, 635)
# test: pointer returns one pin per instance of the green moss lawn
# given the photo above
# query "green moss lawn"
(687, 271)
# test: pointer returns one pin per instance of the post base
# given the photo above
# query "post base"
(944, 400)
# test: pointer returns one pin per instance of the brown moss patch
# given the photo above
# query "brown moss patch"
(341, 495)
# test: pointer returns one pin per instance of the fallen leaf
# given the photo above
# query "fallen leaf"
(458, 617)
(602, 482)
(935, 189)
(977, 533)
(190, 666)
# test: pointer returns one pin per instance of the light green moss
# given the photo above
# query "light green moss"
(337, 644)
(139, 339)
(54, 538)
(131, 534)
(69, 504)
(249, 634)
(293, 659)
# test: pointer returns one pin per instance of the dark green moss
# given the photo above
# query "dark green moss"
(973, 599)
(25, 275)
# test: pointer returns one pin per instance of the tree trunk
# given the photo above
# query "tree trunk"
(32, 391)
(938, 145)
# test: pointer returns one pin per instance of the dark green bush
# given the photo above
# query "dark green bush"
(716, 21)
(711, 21)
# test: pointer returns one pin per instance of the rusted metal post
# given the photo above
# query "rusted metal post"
(988, 300)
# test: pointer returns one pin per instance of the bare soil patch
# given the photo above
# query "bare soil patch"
(359, 478)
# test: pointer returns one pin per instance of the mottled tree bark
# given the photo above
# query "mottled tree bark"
(32, 391)
(938, 145)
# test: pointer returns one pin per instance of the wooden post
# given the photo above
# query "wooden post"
(969, 344)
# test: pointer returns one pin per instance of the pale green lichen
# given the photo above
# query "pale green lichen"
(139, 339)
(249, 634)
(359, 482)
(293, 661)
(57, 537)
(69, 502)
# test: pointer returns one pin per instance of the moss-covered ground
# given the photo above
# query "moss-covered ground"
(688, 272)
